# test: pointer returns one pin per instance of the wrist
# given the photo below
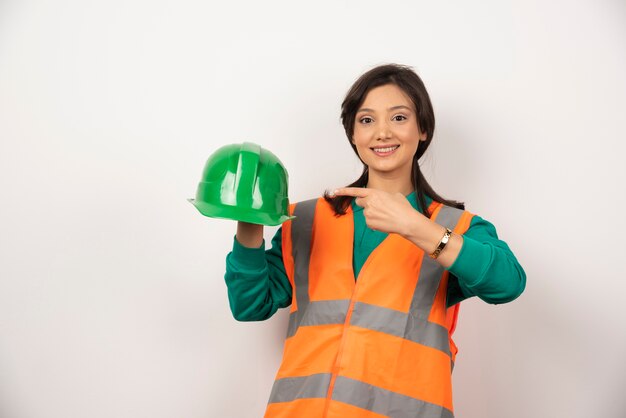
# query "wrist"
(249, 235)
(427, 235)
(415, 226)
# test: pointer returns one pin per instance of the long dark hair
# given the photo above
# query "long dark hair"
(406, 79)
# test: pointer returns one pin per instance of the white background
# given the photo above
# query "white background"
(112, 299)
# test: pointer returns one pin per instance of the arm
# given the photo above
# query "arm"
(256, 279)
(481, 264)
(485, 267)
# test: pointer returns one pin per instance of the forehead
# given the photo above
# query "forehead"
(386, 96)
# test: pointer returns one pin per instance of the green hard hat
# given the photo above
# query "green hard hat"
(246, 183)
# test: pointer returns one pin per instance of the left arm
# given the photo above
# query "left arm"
(486, 267)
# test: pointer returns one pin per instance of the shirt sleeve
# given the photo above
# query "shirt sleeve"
(256, 280)
(485, 267)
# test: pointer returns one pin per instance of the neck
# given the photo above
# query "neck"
(390, 184)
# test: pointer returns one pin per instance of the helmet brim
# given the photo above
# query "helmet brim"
(239, 214)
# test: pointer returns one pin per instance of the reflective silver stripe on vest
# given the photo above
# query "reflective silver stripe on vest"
(376, 318)
(431, 271)
(401, 325)
(356, 393)
(290, 388)
(385, 402)
(301, 234)
(449, 217)
(322, 312)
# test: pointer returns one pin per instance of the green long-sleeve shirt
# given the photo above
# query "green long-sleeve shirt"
(485, 267)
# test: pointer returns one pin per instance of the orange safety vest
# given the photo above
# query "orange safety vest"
(375, 347)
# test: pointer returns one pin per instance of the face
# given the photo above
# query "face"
(386, 133)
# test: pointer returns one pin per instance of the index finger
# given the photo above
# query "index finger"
(352, 191)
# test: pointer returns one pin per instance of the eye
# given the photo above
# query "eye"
(365, 120)
(399, 118)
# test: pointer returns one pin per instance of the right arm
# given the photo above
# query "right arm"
(256, 279)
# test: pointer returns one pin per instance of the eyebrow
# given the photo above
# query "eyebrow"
(365, 109)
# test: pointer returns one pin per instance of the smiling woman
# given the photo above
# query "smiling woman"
(374, 272)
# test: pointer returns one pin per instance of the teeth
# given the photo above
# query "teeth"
(388, 149)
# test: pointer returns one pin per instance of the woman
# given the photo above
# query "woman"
(374, 272)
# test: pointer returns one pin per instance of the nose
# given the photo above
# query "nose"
(384, 130)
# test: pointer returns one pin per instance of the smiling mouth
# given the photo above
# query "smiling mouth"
(385, 150)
